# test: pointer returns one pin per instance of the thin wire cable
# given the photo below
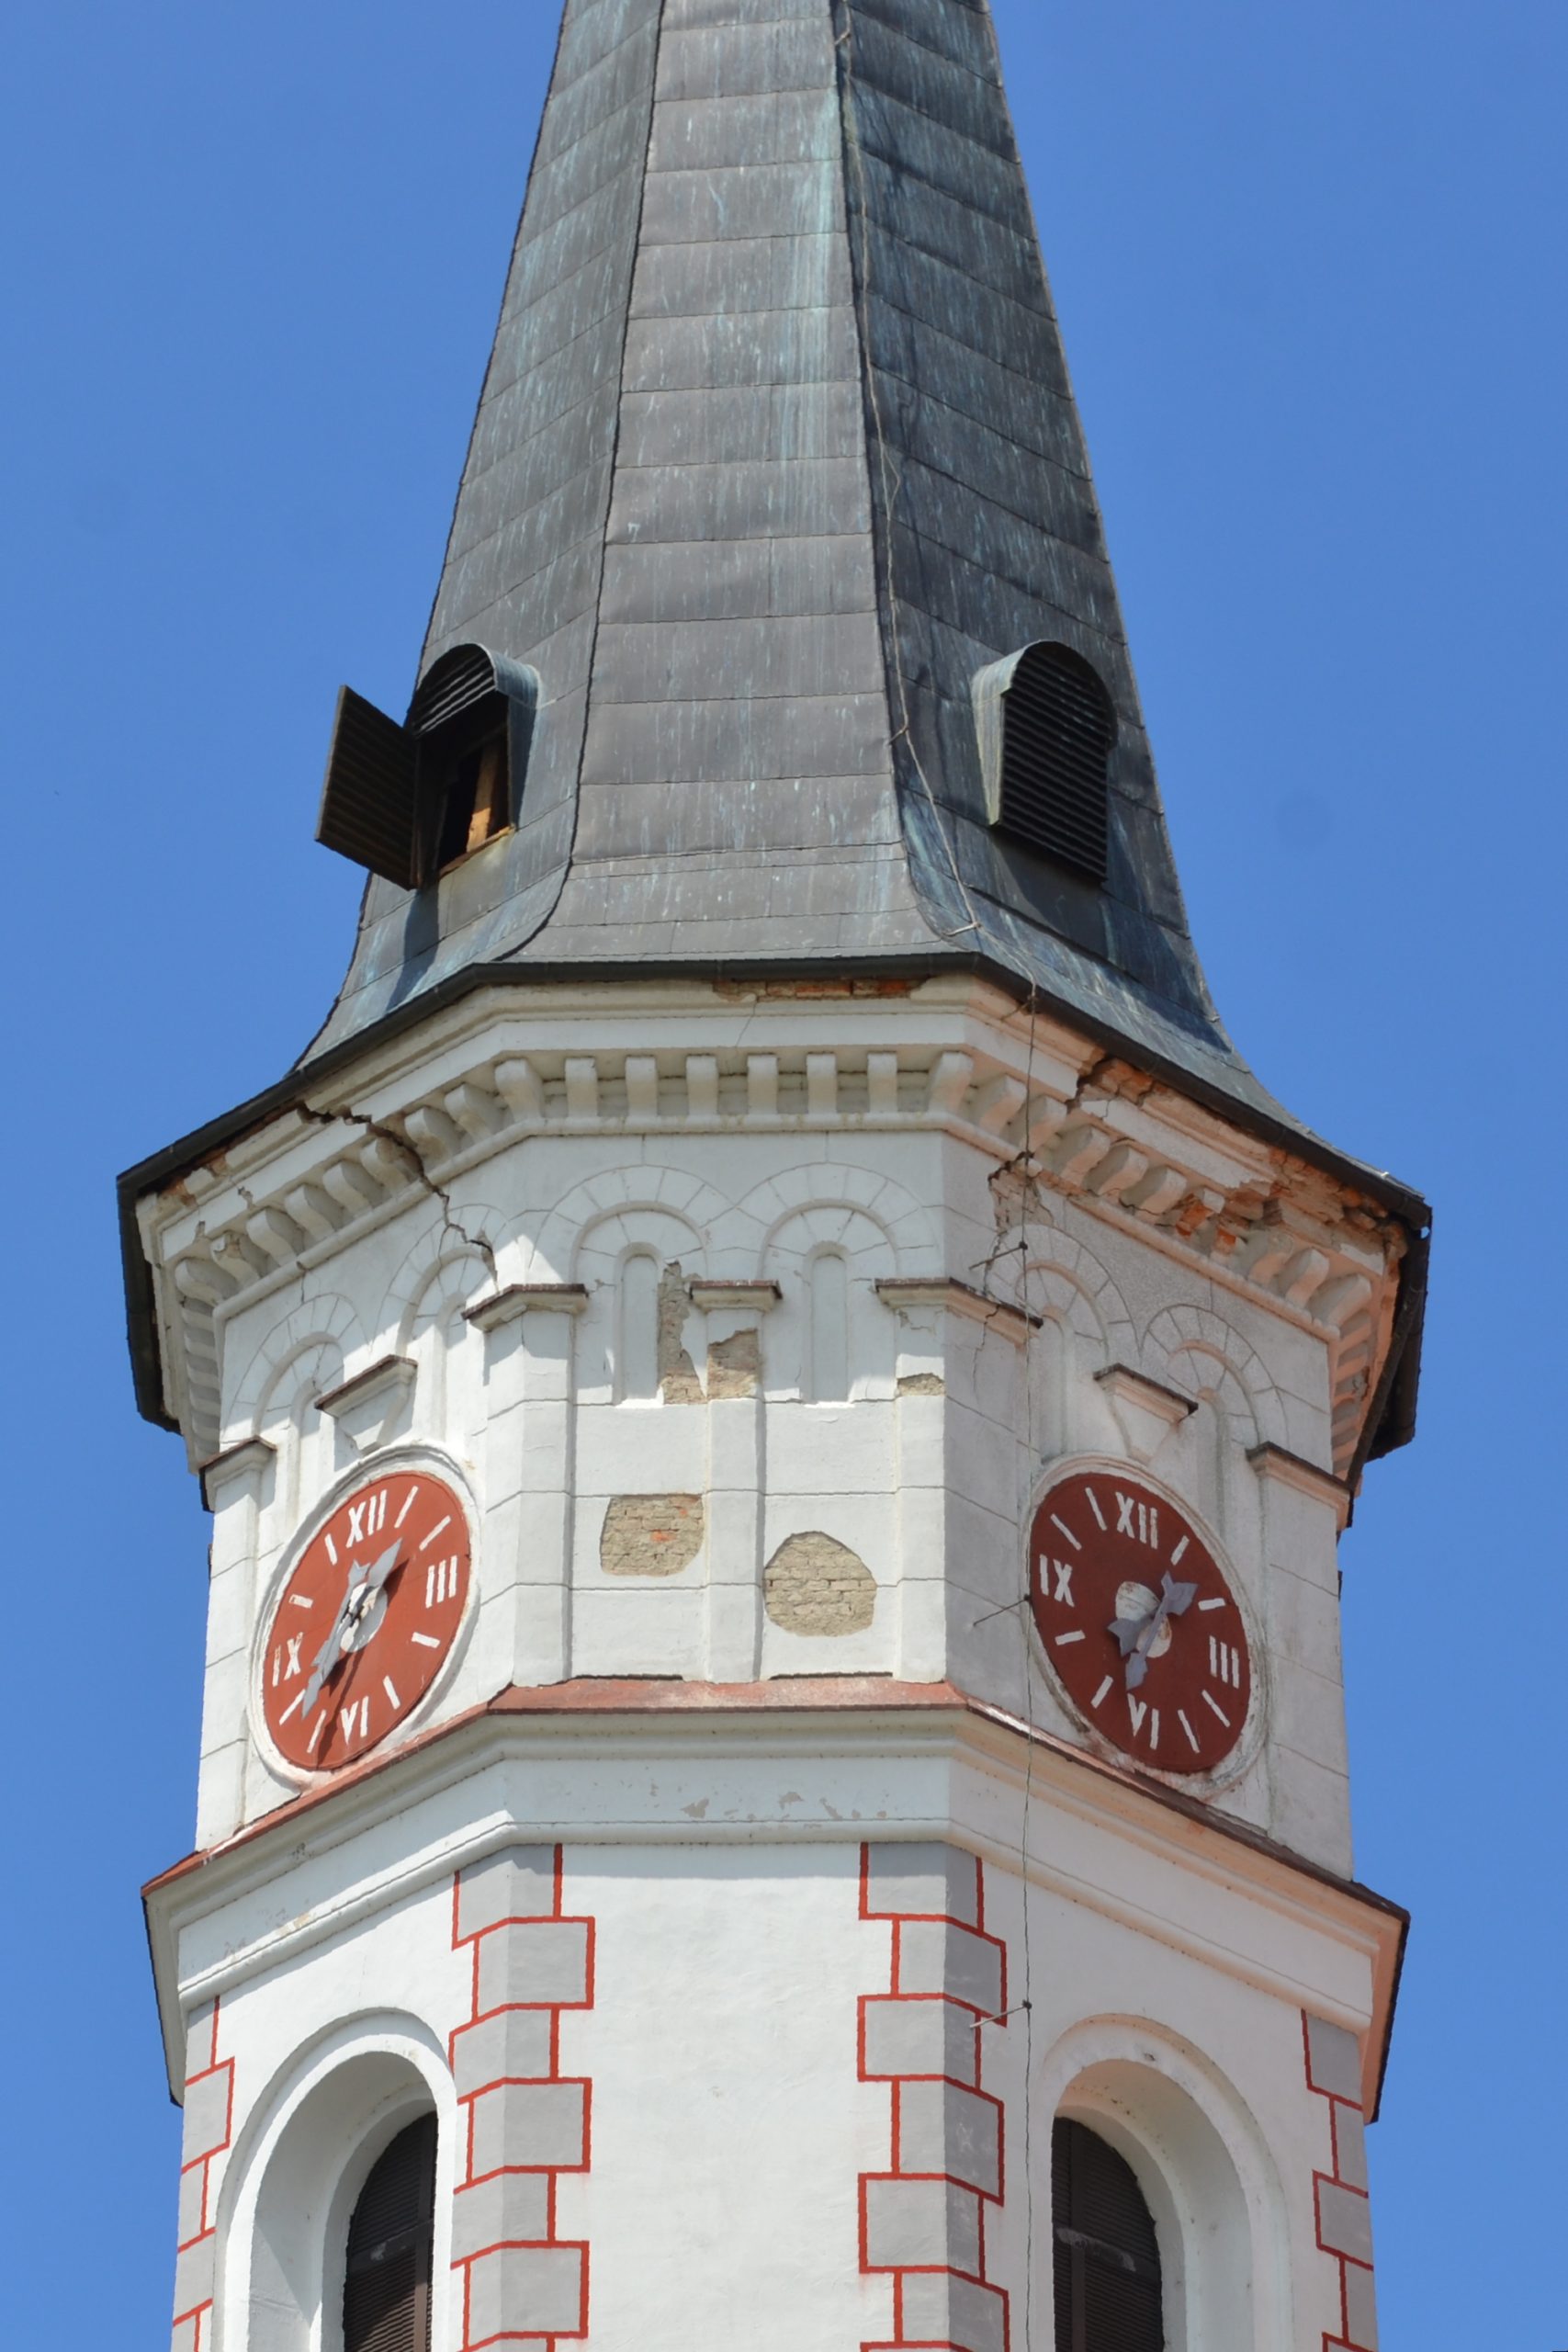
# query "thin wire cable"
(1026, 1484)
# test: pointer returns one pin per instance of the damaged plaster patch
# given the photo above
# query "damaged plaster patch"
(735, 1365)
(651, 1536)
(678, 1382)
(922, 1384)
(815, 1584)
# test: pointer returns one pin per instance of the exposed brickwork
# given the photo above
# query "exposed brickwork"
(815, 1585)
(651, 1536)
(923, 2220)
(209, 2132)
(525, 2123)
(735, 1366)
(1343, 2212)
(678, 1382)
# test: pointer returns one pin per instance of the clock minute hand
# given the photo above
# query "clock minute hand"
(331, 1650)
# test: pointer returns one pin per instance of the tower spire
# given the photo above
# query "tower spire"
(777, 457)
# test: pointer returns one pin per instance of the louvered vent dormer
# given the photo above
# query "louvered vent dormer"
(1048, 728)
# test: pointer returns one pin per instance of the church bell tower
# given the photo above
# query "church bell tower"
(776, 1399)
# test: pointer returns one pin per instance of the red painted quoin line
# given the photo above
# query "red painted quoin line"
(549, 2173)
(967, 2078)
(1346, 2340)
(198, 2321)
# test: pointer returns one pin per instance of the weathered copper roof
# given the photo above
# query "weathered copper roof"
(777, 449)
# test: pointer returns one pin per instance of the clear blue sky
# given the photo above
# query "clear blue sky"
(1310, 262)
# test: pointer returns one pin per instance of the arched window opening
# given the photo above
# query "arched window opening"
(1108, 2288)
(1048, 728)
(409, 801)
(386, 2294)
(829, 1380)
(461, 721)
(639, 1328)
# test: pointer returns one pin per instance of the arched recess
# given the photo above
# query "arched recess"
(301, 1360)
(1084, 1327)
(832, 1338)
(556, 1251)
(296, 2177)
(448, 1351)
(1238, 1407)
(744, 1243)
(626, 1258)
(1205, 2170)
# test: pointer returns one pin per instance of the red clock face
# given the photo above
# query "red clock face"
(1142, 1630)
(366, 1620)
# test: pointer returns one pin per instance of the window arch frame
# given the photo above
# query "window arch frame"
(1197, 2150)
(369, 2078)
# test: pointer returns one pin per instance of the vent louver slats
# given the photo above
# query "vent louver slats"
(1108, 2286)
(1058, 732)
(369, 801)
(453, 686)
(386, 2296)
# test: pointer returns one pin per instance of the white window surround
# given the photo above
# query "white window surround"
(1204, 2169)
(297, 2172)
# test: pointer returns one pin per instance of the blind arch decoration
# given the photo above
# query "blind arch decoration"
(1048, 728)
(386, 2294)
(1108, 2286)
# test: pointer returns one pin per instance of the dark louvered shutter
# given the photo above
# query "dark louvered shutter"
(1058, 732)
(386, 2295)
(1108, 2278)
(369, 802)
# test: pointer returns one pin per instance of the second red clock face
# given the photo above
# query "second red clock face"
(1140, 1626)
(366, 1620)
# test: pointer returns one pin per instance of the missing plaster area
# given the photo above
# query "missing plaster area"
(817, 1586)
(735, 1366)
(651, 1536)
(678, 1382)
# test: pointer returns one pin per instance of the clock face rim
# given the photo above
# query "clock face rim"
(389, 1463)
(1243, 1754)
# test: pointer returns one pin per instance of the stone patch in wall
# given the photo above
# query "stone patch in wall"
(922, 1384)
(678, 1382)
(817, 1586)
(651, 1535)
(735, 1365)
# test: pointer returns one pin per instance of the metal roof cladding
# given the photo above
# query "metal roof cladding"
(777, 453)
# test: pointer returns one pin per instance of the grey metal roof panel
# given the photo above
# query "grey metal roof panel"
(777, 448)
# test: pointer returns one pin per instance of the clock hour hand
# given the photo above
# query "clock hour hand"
(365, 1586)
(327, 1656)
(1137, 1635)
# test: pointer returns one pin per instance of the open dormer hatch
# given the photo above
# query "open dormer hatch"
(409, 801)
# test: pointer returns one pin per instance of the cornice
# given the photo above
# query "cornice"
(416, 1115)
(809, 1718)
